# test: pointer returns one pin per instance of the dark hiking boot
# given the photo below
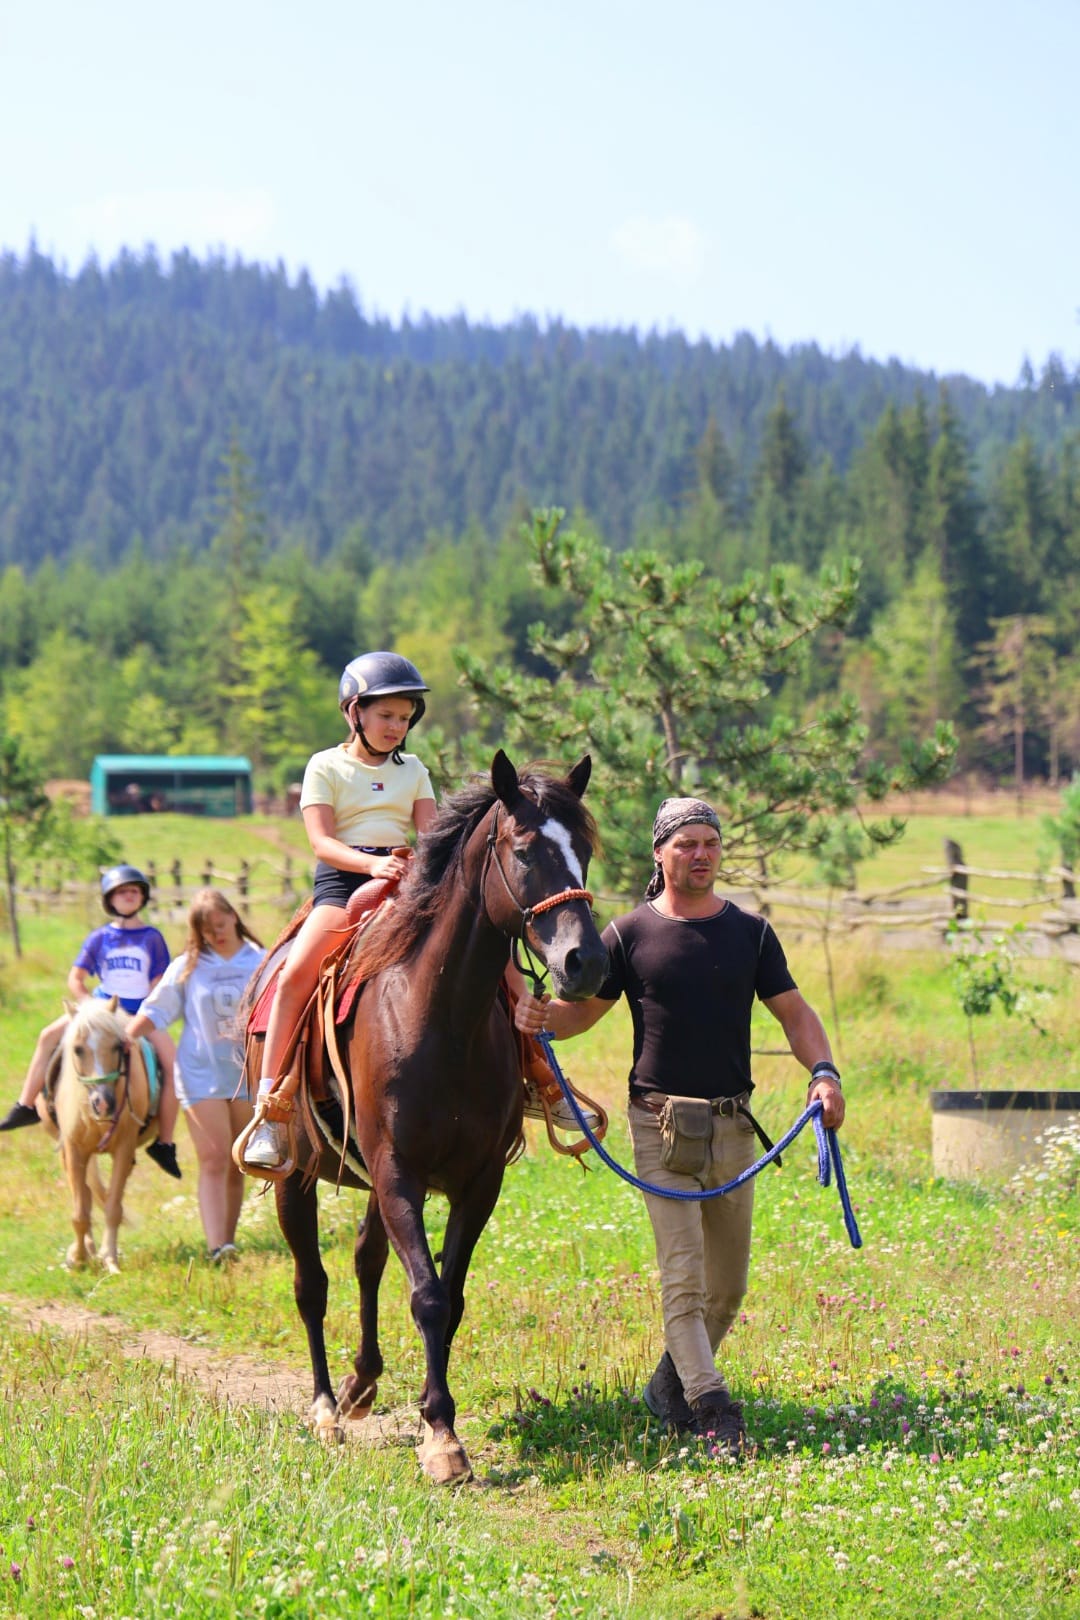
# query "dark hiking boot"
(164, 1156)
(17, 1116)
(664, 1397)
(718, 1418)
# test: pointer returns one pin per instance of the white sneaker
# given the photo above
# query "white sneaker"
(562, 1114)
(264, 1149)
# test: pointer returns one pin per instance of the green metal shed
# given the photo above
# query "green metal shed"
(191, 784)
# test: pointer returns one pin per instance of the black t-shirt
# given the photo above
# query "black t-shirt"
(691, 987)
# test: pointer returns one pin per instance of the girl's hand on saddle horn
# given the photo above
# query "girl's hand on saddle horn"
(393, 866)
(530, 1013)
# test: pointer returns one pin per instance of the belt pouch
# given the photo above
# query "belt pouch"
(686, 1125)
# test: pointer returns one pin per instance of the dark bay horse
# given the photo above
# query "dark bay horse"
(435, 1072)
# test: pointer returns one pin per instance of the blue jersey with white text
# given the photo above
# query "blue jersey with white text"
(125, 960)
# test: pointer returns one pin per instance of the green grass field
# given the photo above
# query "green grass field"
(916, 1404)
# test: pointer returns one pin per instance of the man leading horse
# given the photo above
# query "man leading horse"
(690, 964)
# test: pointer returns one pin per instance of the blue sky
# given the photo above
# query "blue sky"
(897, 177)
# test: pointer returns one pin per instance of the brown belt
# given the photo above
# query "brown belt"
(726, 1107)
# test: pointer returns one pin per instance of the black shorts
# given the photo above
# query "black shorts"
(333, 887)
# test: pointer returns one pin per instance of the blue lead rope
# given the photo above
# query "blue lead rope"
(828, 1152)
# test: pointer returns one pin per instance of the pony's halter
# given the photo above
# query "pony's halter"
(526, 913)
(113, 1076)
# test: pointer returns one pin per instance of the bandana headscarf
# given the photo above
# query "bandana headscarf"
(673, 814)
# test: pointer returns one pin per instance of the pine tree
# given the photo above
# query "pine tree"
(666, 677)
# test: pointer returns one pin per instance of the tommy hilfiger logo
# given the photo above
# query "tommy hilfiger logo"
(378, 787)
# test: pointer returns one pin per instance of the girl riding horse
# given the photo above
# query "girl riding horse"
(359, 802)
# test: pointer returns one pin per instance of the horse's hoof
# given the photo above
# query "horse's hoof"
(355, 1398)
(111, 1266)
(323, 1419)
(443, 1458)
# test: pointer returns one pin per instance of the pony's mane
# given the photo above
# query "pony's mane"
(92, 1011)
(435, 871)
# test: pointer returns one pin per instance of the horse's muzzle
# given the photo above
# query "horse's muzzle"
(103, 1102)
(577, 968)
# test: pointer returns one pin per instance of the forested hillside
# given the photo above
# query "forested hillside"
(121, 388)
(216, 485)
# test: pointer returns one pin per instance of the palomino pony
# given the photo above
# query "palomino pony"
(103, 1105)
(435, 1072)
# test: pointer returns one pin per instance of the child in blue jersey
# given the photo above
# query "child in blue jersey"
(127, 957)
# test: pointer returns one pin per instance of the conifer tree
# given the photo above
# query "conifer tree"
(666, 677)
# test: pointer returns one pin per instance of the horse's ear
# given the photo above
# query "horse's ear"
(504, 778)
(114, 1002)
(578, 779)
(70, 1007)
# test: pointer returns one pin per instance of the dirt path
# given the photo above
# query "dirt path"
(238, 1380)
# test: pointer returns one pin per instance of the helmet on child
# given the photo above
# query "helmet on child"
(382, 674)
(116, 878)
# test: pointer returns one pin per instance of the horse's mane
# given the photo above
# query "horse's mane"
(435, 872)
(93, 1010)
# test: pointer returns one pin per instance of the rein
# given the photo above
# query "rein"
(526, 913)
(828, 1151)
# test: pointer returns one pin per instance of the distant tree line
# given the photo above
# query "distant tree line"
(121, 388)
(195, 540)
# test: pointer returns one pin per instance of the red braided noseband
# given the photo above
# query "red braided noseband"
(558, 900)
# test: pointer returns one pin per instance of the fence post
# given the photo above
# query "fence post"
(958, 880)
(178, 881)
(207, 874)
(287, 889)
(151, 878)
(243, 882)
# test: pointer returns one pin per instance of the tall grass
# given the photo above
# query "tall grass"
(915, 1404)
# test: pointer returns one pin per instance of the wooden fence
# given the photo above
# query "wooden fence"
(261, 882)
(917, 915)
(912, 916)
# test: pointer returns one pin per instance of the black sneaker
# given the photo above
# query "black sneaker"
(18, 1115)
(664, 1397)
(718, 1418)
(164, 1156)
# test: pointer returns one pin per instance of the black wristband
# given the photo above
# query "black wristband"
(825, 1068)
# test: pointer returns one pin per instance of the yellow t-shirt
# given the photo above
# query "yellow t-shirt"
(372, 804)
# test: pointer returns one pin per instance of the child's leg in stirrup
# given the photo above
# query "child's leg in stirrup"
(265, 1148)
(23, 1112)
(163, 1151)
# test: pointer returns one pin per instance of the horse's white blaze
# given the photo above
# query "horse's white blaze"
(561, 839)
(102, 1046)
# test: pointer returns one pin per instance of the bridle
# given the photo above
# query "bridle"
(525, 913)
(113, 1077)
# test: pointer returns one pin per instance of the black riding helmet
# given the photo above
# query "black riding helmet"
(381, 674)
(115, 878)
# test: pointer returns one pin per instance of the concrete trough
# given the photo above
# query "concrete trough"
(992, 1134)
